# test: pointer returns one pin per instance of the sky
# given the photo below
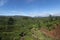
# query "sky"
(30, 7)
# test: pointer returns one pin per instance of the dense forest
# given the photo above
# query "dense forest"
(26, 28)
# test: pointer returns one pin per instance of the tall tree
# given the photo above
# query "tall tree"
(11, 23)
(50, 18)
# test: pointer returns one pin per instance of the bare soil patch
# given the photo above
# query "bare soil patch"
(55, 33)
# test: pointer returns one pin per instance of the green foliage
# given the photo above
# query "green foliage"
(10, 21)
(12, 27)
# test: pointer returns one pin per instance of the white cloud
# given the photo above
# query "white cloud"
(43, 14)
(56, 14)
(32, 14)
(12, 13)
(2, 2)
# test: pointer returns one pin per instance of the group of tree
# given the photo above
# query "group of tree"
(21, 25)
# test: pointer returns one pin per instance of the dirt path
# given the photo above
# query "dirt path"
(47, 33)
(53, 33)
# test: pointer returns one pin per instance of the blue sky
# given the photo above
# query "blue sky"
(30, 7)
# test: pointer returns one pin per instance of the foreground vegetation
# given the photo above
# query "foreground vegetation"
(26, 28)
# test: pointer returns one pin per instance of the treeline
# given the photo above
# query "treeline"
(14, 27)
